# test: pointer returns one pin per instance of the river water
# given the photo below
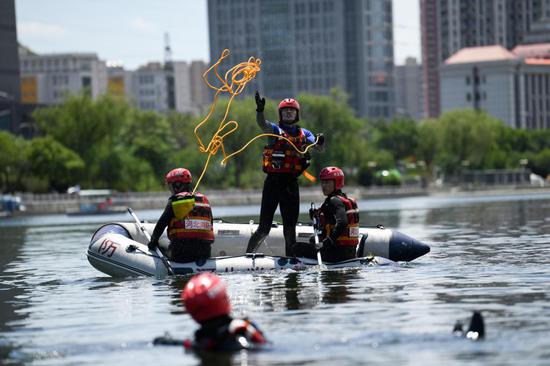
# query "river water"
(488, 253)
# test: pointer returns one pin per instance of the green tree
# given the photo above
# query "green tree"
(427, 147)
(540, 163)
(400, 136)
(148, 136)
(332, 116)
(12, 163)
(465, 135)
(53, 162)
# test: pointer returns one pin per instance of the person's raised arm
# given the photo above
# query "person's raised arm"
(260, 118)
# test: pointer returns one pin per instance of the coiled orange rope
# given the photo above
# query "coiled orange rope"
(233, 82)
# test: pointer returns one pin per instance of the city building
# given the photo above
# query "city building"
(450, 25)
(201, 95)
(149, 88)
(163, 88)
(49, 78)
(9, 68)
(408, 89)
(513, 86)
(311, 46)
(118, 81)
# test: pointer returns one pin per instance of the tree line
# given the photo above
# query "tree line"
(107, 143)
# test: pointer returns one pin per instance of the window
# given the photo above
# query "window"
(468, 97)
(467, 81)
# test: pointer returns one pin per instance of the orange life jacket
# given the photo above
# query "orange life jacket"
(350, 236)
(281, 157)
(197, 224)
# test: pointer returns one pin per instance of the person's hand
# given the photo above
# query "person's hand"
(260, 102)
(320, 139)
(152, 245)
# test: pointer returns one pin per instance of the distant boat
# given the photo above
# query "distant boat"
(94, 202)
(10, 205)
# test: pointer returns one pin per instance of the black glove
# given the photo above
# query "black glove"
(152, 245)
(320, 139)
(260, 102)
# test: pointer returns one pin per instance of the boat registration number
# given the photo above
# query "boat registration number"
(107, 248)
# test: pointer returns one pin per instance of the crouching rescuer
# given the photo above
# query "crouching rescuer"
(188, 218)
(338, 218)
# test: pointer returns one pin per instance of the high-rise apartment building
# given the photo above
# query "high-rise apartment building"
(449, 25)
(311, 46)
(9, 67)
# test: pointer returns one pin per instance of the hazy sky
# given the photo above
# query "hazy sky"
(132, 31)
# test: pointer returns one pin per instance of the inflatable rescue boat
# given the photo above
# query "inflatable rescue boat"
(120, 249)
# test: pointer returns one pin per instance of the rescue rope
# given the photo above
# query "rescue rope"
(233, 82)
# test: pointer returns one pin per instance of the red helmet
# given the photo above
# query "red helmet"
(205, 297)
(178, 175)
(290, 103)
(333, 173)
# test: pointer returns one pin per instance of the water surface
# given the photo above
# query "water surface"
(488, 253)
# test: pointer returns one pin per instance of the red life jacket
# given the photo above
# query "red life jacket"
(281, 157)
(350, 235)
(197, 224)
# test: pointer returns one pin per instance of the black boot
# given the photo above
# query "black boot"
(290, 240)
(255, 241)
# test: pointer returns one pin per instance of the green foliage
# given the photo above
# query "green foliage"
(106, 143)
(331, 116)
(12, 162)
(57, 165)
(540, 164)
(400, 136)
(465, 137)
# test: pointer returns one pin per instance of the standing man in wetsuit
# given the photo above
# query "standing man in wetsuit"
(189, 220)
(283, 165)
(338, 219)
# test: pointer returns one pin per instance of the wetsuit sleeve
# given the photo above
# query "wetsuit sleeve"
(310, 137)
(163, 222)
(339, 212)
(264, 124)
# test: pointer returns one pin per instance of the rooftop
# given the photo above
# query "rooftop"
(540, 50)
(480, 54)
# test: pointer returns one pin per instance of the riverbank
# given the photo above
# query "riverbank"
(55, 203)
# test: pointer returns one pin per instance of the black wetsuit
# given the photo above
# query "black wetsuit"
(187, 250)
(335, 213)
(221, 334)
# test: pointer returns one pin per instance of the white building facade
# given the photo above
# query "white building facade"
(513, 86)
(49, 78)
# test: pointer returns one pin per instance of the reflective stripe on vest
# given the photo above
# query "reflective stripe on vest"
(350, 235)
(197, 224)
(282, 157)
